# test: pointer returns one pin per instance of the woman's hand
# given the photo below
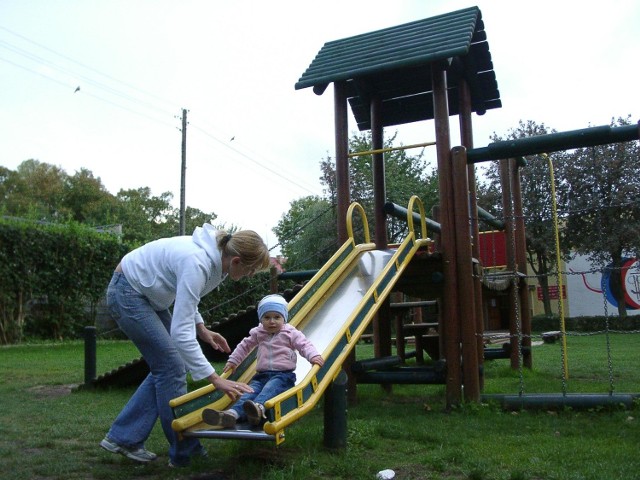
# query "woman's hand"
(231, 388)
(217, 341)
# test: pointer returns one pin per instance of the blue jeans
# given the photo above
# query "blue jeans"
(149, 331)
(266, 385)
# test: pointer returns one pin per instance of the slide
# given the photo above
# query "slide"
(333, 310)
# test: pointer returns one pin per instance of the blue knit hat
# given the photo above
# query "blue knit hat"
(273, 303)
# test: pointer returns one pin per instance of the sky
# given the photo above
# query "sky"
(253, 143)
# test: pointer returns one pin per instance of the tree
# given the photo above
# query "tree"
(44, 192)
(537, 204)
(308, 232)
(604, 213)
(405, 175)
(193, 217)
(35, 191)
(7, 183)
(144, 216)
(87, 200)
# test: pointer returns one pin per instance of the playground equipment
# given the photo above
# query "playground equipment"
(333, 310)
(429, 70)
(422, 70)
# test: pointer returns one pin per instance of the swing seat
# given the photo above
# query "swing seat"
(551, 337)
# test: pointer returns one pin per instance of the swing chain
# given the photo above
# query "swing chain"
(607, 336)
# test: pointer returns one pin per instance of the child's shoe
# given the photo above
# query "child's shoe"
(255, 412)
(218, 418)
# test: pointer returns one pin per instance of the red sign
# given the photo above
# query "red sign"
(553, 292)
(492, 249)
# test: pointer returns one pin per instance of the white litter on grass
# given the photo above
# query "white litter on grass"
(386, 474)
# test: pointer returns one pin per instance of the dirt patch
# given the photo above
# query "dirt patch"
(52, 391)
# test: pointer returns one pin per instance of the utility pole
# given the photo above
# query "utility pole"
(183, 171)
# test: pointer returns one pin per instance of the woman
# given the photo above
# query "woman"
(176, 271)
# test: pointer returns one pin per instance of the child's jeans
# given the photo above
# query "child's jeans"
(266, 385)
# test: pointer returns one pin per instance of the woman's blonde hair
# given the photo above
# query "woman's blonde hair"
(247, 245)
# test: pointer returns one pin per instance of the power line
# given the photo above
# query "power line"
(97, 97)
(279, 174)
(118, 93)
(310, 187)
(34, 72)
(133, 87)
(77, 75)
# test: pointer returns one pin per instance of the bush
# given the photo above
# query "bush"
(49, 275)
(543, 323)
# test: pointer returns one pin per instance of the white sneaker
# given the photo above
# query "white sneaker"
(137, 454)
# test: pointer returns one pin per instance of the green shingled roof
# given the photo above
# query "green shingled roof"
(394, 63)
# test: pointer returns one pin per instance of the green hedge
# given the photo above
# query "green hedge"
(541, 323)
(51, 278)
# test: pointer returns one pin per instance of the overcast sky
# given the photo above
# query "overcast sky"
(254, 143)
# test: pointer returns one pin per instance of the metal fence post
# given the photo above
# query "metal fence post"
(89, 355)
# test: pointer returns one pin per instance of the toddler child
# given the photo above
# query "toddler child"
(276, 342)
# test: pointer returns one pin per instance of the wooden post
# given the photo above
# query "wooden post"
(382, 320)
(466, 135)
(464, 263)
(450, 315)
(342, 159)
(273, 279)
(521, 262)
(507, 208)
(379, 187)
(343, 197)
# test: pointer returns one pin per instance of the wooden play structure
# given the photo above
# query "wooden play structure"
(430, 69)
(433, 69)
(425, 70)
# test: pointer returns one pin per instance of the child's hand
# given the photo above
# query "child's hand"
(317, 360)
(229, 367)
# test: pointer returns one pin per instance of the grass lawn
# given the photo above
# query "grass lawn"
(49, 430)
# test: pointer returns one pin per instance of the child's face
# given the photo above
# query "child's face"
(272, 322)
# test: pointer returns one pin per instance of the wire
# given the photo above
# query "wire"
(88, 67)
(118, 93)
(74, 74)
(279, 174)
(33, 71)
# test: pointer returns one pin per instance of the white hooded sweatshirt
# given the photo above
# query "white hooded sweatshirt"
(181, 270)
